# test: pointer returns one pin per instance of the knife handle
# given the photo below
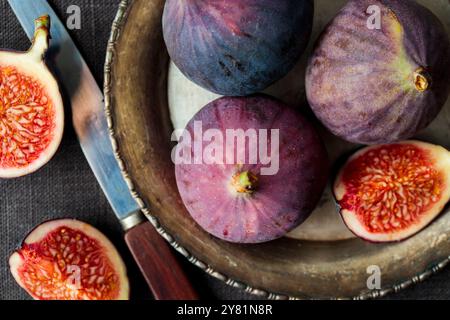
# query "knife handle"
(158, 264)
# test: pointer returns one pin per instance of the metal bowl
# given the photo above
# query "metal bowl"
(136, 94)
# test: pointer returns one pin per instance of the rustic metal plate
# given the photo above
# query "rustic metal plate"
(137, 107)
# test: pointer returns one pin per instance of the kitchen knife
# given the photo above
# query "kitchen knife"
(153, 255)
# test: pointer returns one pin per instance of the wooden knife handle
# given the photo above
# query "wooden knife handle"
(158, 264)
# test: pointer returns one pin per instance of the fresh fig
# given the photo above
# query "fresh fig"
(390, 192)
(380, 71)
(238, 199)
(31, 108)
(234, 47)
(69, 260)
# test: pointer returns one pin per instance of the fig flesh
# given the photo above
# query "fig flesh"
(380, 71)
(31, 108)
(235, 47)
(236, 200)
(69, 260)
(390, 192)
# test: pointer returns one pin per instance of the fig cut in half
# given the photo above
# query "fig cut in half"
(31, 108)
(390, 192)
(69, 260)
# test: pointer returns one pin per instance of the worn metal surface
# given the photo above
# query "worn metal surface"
(136, 93)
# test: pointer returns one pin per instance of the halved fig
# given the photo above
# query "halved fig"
(69, 260)
(390, 192)
(31, 108)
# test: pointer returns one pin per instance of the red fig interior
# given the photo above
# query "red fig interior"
(69, 260)
(31, 108)
(390, 192)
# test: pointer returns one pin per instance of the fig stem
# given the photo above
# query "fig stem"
(245, 182)
(41, 38)
(422, 79)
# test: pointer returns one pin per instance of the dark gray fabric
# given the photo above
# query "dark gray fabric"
(67, 188)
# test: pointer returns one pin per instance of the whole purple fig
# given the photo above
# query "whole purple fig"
(235, 47)
(232, 187)
(380, 71)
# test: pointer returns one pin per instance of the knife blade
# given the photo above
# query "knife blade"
(152, 254)
(87, 102)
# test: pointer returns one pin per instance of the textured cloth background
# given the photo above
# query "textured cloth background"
(67, 188)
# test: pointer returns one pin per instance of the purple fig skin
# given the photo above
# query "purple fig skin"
(236, 47)
(280, 202)
(362, 83)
